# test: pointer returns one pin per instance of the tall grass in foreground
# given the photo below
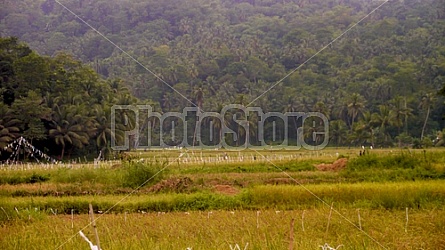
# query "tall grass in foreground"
(266, 229)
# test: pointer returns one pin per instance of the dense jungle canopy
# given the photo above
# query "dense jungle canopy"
(381, 83)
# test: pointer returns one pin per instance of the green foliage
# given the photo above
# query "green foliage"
(80, 176)
(365, 195)
(293, 166)
(36, 178)
(129, 175)
(374, 83)
(397, 195)
(57, 102)
(198, 201)
(237, 50)
(17, 178)
(9, 125)
(373, 161)
(31, 111)
(427, 142)
(397, 167)
(138, 174)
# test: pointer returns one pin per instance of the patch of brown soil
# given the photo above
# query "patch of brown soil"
(225, 189)
(178, 185)
(336, 166)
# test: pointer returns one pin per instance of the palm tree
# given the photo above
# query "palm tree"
(359, 134)
(310, 128)
(338, 132)
(9, 126)
(126, 118)
(102, 128)
(355, 107)
(117, 86)
(290, 106)
(425, 104)
(227, 120)
(305, 104)
(321, 107)
(199, 98)
(252, 126)
(67, 130)
(341, 112)
(400, 113)
(366, 126)
(383, 119)
(214, 124)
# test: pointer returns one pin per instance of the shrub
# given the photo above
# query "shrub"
(403, 160)
(403, 166)
(398, 161)
(68, 175)
(138, 174)
(36, 178)
(17, 179)
(364, 162)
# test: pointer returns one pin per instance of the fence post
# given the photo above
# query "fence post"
(93, 222)
(302, 220)
(291, 235)
(329, 219)
(406, 224)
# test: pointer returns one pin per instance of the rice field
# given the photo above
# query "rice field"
(262, 229)
(275, 199)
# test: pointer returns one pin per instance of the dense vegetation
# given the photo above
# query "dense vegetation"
(56, 103)
(378, 84)
(397, 197)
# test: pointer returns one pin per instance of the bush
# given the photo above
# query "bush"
(138, 174)
(364, 162)
(36, 178)
(398, 161)
(402, 161)
(69, 175)
(403, 166)
(17, 179)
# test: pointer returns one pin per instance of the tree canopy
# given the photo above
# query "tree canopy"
(55, 101)
(378, 84)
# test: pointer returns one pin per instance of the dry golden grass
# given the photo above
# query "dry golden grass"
(220, 229)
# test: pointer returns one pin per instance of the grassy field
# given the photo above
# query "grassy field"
(387, 199)
(266, 229)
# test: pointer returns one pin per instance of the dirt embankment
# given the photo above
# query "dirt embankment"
(178, 185)
(336, 166)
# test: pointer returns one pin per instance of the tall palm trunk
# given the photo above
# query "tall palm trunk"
(352, 121)
(424, 124)
(199, 102)
(194, 133)
(63, 152)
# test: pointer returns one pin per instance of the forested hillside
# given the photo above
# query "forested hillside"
(378, 84)
(57, 104)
